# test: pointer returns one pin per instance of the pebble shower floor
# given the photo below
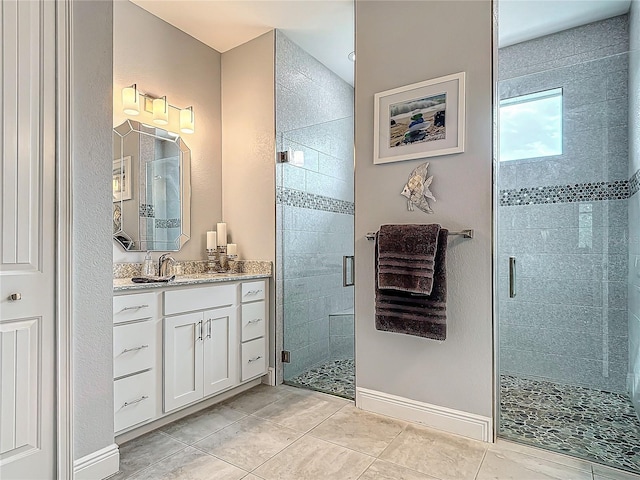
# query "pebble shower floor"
(594, 425)
(335, 377)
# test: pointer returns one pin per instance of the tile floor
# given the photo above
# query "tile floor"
(286, 433)
(335, 377)
(578, 421)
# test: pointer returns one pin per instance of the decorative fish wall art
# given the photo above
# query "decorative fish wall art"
(417, 189)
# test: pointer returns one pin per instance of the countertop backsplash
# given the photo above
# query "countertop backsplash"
(192, 267)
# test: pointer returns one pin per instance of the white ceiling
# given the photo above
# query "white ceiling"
(520, 20)
(325, 28)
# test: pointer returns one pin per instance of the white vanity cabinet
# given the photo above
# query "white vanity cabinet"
(176, 345)
(254, 329)
(134, 358)
(200, 355)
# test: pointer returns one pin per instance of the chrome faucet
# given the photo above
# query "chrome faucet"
(164, 262)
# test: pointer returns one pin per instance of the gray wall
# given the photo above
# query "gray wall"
(456, 373)
(634, 206)
(163, 60)
(92, 277)
(314, 115)
(568, 321)
(248, 133)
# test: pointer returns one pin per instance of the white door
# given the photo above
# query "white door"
(183, 337)
(27, 240)
(220, 350)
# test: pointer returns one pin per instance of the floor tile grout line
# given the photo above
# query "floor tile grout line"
(276, 454)
(404, 428)
(185, 446)
(484, 456)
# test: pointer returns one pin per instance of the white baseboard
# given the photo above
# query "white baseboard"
(434, 416)
(98, 465)
(270, 377)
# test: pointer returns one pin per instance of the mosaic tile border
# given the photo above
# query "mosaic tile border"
(577, 192)
(297, 198)
(194, 267)
(168, 223)
(583, 422)
(634, 183)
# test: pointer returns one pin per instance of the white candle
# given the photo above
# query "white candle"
(232, 249)
(222, 234)
(211, 241)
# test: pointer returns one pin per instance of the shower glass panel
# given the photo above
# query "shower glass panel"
(565, 185)
(315, 229)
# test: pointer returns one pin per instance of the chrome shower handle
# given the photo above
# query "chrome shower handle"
(512, 277)
(345, 259)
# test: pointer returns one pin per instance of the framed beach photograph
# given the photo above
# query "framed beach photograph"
(421, 120)
(122, 179)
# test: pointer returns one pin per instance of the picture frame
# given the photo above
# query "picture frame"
(122, 179)
(420, 120)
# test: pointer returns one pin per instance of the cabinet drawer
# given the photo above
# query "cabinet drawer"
(200, 298)
(134, 307)
(134, 400)
(254, 359)
(134, 347)
(254, 320)
(252, 291)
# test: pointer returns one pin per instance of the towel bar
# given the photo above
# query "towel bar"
(467, 233)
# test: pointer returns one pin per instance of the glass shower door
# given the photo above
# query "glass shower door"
(314, 126)
(563, 192)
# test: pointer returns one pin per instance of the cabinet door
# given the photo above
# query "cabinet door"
(220, 349)
(183, 342)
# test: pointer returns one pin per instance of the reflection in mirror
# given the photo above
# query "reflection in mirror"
(151, 188)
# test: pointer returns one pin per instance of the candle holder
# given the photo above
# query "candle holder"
(213, 265)
(222, 258)
(233, 263)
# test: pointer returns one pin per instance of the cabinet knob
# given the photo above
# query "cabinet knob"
(15, 297)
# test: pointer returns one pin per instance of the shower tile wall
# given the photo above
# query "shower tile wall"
(568, 321)
(314, 115)
(633, 381)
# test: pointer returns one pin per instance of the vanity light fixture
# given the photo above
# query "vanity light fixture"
(131, 100)
(158, 107)
(187, 120)
(352, 56)
(161, 111)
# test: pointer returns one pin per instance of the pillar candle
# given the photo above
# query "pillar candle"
(232, 249)
(211, 241)
(222, 234)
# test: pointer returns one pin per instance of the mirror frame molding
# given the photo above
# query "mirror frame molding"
(129, 126)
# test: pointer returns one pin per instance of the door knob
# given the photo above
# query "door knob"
(15, 296)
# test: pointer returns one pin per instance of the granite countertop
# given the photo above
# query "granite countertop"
(125, 284)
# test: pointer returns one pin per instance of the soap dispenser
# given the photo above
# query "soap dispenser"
(148, 269)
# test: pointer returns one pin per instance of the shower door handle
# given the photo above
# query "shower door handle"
(345, 262)
(512, 277)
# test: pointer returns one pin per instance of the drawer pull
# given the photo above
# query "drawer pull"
(255, 359)
(255, 320)
(135, 349)
(126, 404)
(136, 307)
(253, 292)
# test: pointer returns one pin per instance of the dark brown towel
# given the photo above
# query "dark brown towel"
(423, 316)
(406, 254)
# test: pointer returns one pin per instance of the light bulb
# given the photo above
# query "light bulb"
(161, 111)
(131, 100)
(187, 120)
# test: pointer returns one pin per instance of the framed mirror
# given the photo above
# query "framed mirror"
(151, 188)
